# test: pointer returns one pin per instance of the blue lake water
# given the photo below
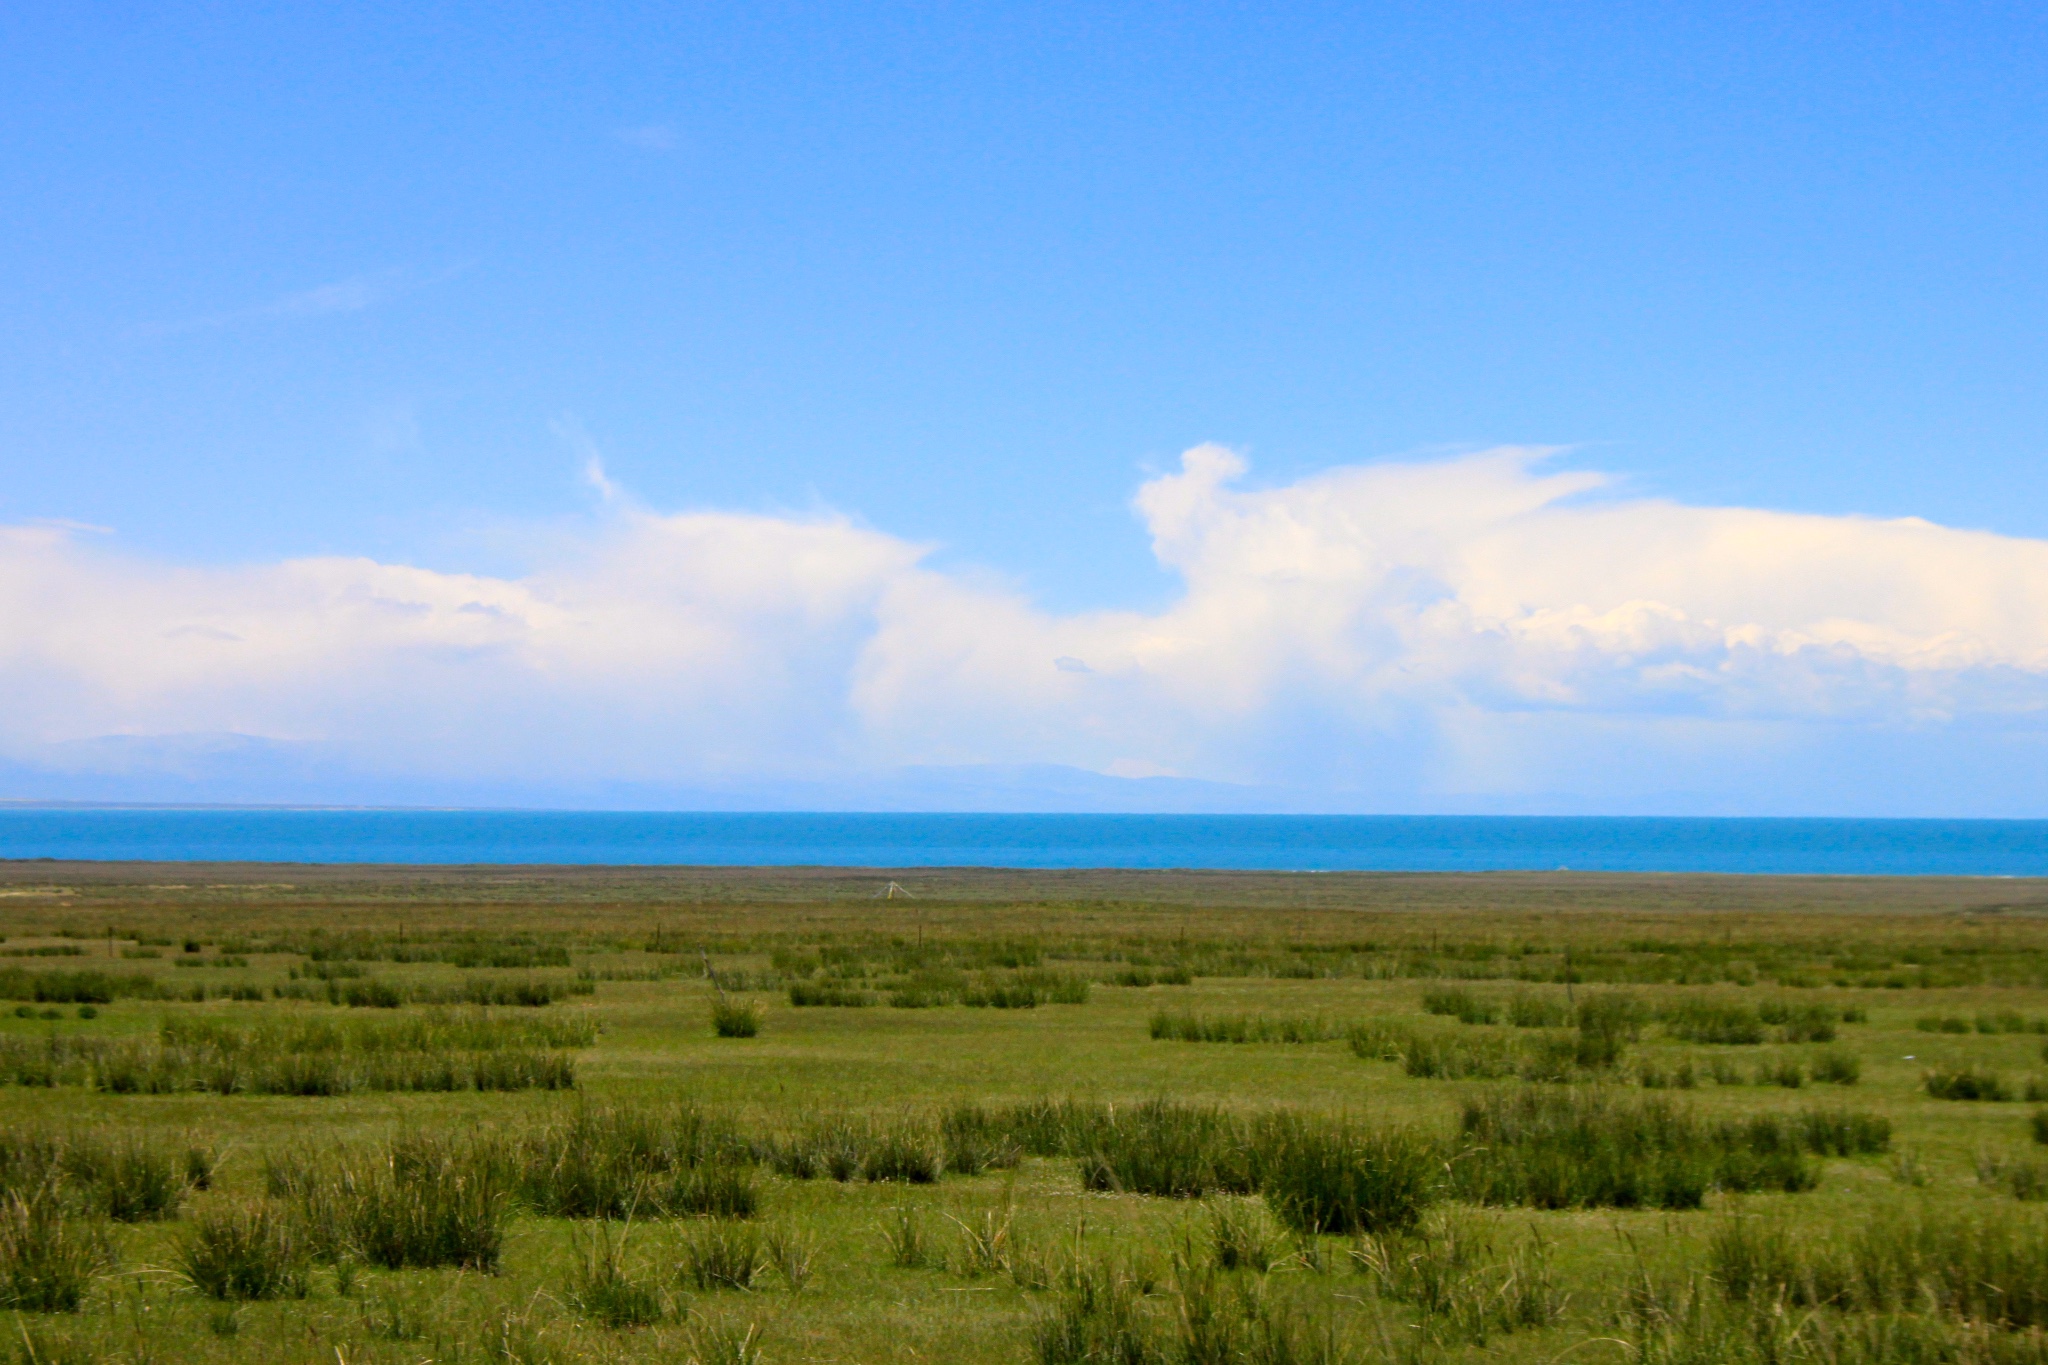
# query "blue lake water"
(1310, 842)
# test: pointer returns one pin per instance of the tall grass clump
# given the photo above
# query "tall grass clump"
(1241, 1237)
(793, 1254)
(721, 1341)
(1166, 1147)
(432, 1201)
(928, 988)
(1053, 1127)
(1187, 1027)
(714, 1189)
(1462, 1286)
(1322, 1175)
(1536, 1011)
(613, 1161)
(348, 988)
(1153, 976)
(927, 985)
(975, 1139)
(734, 1018)
(528, 992)
(1966, 1082)
(131, 1179)
(722, 1255)
(1665, 1320)
(130, 1176)
(1963, 1265)
(429, 1051)
(2009, 1021)
(1460, 1004)
(1801, 1023)
(48, 1260)
(365, 994)
(832, 1146)
(76, 988)
(1837, 1132)
(908, 1150)
(602, 1286)
(254, 1250)
(1103, 1312)
(1580, 1148)
(903, 1232)
(1608, 1022)
(805, 994)
(985, 1245)
(1712, 1021)
(435, 1030)
(419, 1201)
(2023, 1178)
(1097, 1315)
(1379, 1041)
(1025, 990)
(1461, 1058)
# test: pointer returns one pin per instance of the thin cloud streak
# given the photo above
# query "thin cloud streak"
(340, 298)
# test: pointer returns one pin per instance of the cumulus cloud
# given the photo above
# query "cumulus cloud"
(1396, 634)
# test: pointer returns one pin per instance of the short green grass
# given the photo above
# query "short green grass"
(1426, 1061)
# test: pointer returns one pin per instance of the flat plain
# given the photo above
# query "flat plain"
(282, 1113)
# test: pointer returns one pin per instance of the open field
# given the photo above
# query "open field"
(381, 1114)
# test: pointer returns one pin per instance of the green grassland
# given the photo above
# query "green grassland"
(400, 1115)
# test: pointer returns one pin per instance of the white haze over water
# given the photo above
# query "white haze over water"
(1470, 634)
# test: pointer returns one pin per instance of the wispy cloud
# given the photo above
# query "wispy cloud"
(353, 295)
(1478, 625)
(571, 433)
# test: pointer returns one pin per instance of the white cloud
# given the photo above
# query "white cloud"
(1472, 628)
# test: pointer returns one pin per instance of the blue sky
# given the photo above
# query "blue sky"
(377, 283)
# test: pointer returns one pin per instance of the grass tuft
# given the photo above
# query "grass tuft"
(1241, 1238)
(716, 1341)
(1460, 1004)
(253, 1250)
(1097, 1315)
(731, 1018)
(1332, 1176)
(903, 1232)
(908, 1151)
(612, 1161)
(985, 1243)
(1966, 1082)
(975, 1140)
(1584, 1148)
(1966, 1266)
(604, 1288)
(794, 1255)
(1165, 1147)
(1187, 1027)
(47, 1260)
(722, 1255)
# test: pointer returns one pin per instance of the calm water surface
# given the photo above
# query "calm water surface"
(1314, 842)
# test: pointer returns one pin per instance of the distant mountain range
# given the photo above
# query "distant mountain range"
(225, 769)
(231, 769)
